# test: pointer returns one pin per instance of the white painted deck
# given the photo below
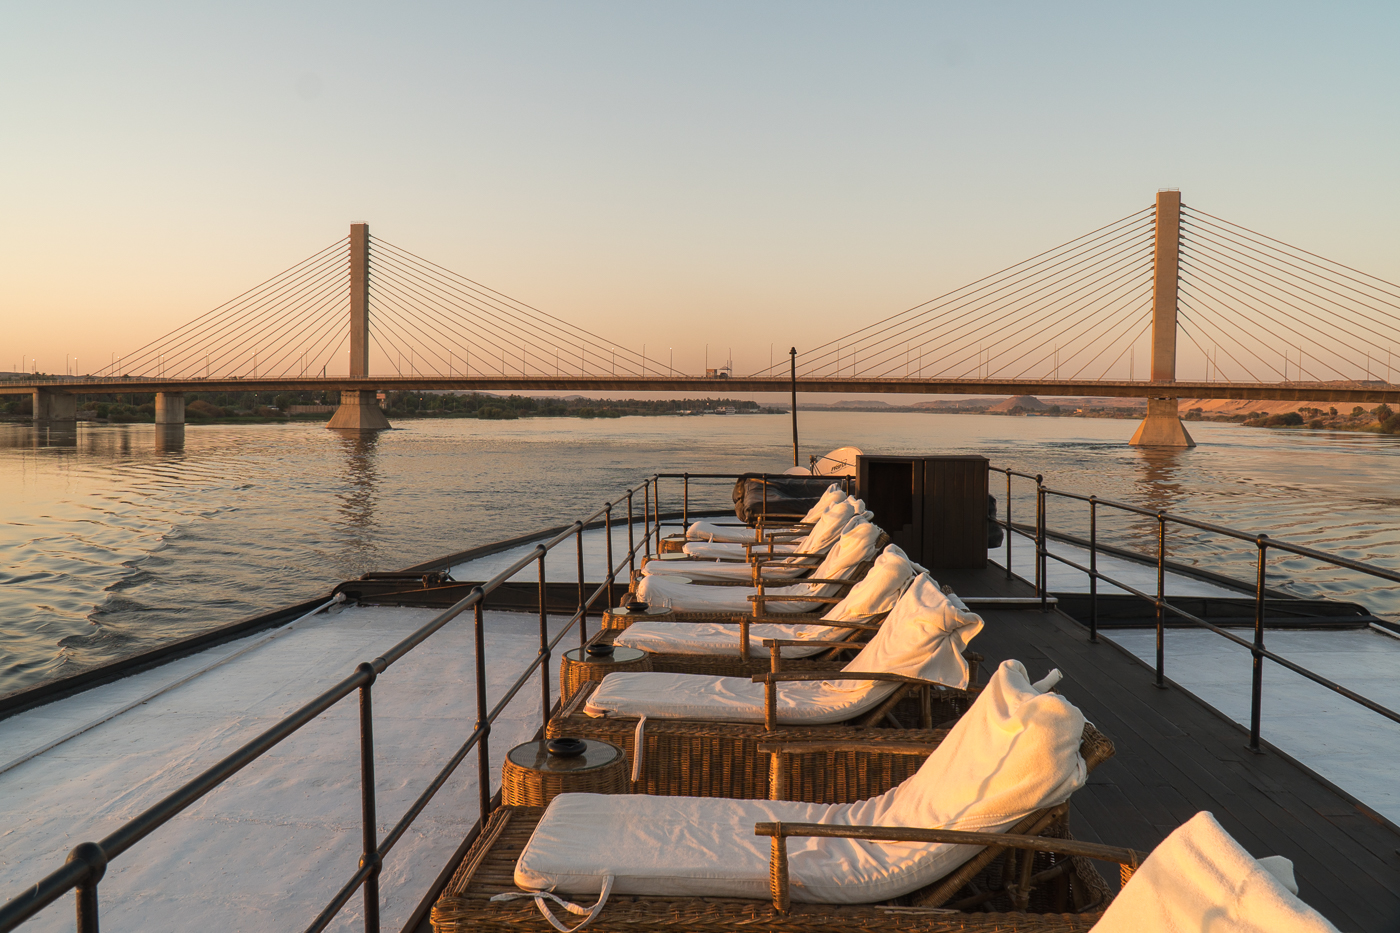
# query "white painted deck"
(266, 850)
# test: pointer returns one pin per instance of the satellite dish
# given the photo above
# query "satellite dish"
(840, 462)
(797, 471)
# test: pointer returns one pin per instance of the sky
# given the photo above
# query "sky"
(678, 174)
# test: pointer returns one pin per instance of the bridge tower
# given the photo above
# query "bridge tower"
(359, 409)
(1162, 427)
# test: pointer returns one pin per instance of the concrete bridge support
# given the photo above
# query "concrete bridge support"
(55, 406)
(1162, 427)
(359, 411)
(170, 408)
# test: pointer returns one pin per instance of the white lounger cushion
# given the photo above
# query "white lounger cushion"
(1015, 751)
(1200, 878)
(720, 531)
(714, 550)
(821, 540)
(722, 638)
(923, 637)
(875, 594)
(856, 545)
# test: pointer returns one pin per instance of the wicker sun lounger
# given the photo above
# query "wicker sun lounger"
(1035, 878)
(700, 758)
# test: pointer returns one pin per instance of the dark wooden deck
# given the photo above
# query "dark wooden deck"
(1177, 756)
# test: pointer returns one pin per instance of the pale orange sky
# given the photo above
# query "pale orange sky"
(670, 174)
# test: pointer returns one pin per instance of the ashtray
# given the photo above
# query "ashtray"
(599, 650)
(566, 748)
(637, 606)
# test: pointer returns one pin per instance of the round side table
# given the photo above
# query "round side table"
(578, 667)
(532, 777)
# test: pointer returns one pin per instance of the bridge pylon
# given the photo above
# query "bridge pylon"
(359, 409)
(1162, 427)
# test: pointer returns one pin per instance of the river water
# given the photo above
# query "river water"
(119, 537)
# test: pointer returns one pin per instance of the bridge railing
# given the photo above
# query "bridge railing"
(1040, 534)
(87, 862)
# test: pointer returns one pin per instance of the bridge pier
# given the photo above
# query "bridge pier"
(55, 406)
(170, 408)
(358, 411)
(1162, 427)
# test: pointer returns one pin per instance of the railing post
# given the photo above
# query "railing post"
(1008, 524)
(1041, 584)
(582, 599)
(685, 504)
(85, 894)
(1094, 569)
(656, 512)
(483, 752)
(371, 845)
(544, 645)
(1256, 698)
(646, 518)
(612, 571)
(1161, 599)
(631, 544)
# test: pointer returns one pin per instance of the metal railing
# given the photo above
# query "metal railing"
(1163, 606)
(88, 861)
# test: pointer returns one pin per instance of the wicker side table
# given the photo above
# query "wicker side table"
(532, 777)
(578, 667)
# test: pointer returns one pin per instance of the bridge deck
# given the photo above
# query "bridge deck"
(1177, 756)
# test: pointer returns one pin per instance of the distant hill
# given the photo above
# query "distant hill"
(850, 403)
(1023, 402)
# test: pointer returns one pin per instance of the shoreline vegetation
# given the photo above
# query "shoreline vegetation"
(281, 408)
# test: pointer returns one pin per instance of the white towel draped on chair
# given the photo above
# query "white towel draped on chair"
(1200, 878)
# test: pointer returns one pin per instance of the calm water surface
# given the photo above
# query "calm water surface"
(118, 537)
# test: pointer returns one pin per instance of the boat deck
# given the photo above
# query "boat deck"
(1177, 755)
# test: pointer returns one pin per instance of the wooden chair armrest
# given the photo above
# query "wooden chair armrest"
(803, 746)
(769, 677)
(781, 832)
(831, 600)
(813, 580)
(786, 642)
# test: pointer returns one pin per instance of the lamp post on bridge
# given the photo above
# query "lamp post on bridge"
(1162, 427)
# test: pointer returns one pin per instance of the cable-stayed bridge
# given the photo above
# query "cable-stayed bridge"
(1104, 314)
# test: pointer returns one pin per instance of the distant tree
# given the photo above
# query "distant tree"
(1391, 425)
(1358, 412)
(1382, 412)
(1332, 411)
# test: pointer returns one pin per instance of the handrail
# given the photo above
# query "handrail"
(1163, 605)
(87, 862)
